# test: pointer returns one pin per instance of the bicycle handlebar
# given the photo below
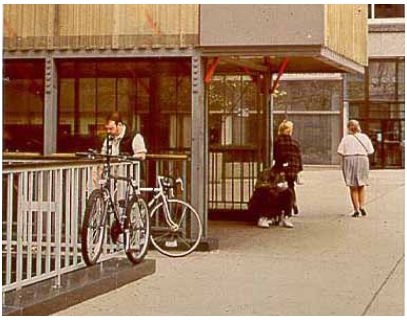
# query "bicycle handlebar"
(93, 154)
(170, 182)
(180, 182)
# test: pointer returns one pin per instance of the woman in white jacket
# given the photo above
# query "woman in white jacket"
(354, 149)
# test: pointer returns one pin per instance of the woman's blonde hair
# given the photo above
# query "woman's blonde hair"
(285, 127)
(354, 126)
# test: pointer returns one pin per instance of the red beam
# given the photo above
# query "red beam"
(280, 73)
(211, 70)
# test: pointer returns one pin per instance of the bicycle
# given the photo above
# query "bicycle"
(176, 228)
(132, 220)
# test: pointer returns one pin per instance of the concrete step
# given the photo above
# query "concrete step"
(44, 298)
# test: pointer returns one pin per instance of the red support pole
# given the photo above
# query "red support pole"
(280, 73)
(211, 70)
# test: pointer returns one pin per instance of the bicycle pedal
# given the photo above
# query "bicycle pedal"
(171, 244)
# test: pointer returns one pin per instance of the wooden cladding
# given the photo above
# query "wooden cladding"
(346, 30)
(340, 28)
(28, 27)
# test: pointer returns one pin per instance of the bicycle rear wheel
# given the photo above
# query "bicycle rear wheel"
(93, 227)
(182, 238)
(136, 229)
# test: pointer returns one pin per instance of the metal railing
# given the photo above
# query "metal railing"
(233, 173)
(43, 208)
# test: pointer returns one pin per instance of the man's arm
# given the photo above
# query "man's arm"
(139, 147)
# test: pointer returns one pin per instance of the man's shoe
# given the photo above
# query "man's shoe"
(286, 223)
(355, 214)
(263, 222)
(295, 210)
(115, 231)
(363, 212)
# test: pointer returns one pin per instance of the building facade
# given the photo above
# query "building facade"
(377, 99)
(189, 88)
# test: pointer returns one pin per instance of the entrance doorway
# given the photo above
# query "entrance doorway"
(237, 138)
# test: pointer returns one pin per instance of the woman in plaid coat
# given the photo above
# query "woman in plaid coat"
(287, 156)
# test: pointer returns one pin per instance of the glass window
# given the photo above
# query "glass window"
(382, 80)
(357, 110)
(174, 101)
(309, 95)
(389, 11)
(23, 105)
(66, 118)
(401, 80)
(388, 110)
(318, 135)
(233, 111)
(91, 89)
(356, 86)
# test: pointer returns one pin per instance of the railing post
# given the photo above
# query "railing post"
(10, 182)
(19, 255)
(58, 224)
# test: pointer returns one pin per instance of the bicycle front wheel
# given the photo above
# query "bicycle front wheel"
(93, 227)
(181, 238)
(136, 229)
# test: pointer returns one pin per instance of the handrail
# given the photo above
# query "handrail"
(13, 167)
(66, 156)
(67, 159)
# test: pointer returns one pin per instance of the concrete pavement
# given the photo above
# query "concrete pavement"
(329, 264)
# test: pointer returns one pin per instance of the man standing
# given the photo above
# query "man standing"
(121, 140)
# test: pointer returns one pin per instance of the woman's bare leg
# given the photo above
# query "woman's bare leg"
(354, 194)
(362, 196)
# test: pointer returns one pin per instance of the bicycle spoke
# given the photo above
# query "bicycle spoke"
(182, 216)
(184, 232)
(184, 241)
(93, 229)
(137, 226)
(163, 235)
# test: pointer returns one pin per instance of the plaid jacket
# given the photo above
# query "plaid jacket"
(287, 150)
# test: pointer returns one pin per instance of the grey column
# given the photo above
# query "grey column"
(269, 108)
(50, 107)
(345, 111)
(199, 147)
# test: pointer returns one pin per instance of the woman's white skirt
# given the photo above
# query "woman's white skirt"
(356, 170)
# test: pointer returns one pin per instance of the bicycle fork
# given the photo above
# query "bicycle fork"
(167, 214)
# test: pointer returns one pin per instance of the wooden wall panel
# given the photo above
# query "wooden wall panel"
(346, 30)
(27, 26)
(99, 26)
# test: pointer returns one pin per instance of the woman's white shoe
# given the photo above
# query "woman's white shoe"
(263, 222)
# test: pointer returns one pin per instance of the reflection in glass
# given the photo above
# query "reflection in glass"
(23, 105)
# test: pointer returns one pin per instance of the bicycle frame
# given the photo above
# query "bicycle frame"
(160, 197)
(106, 186)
